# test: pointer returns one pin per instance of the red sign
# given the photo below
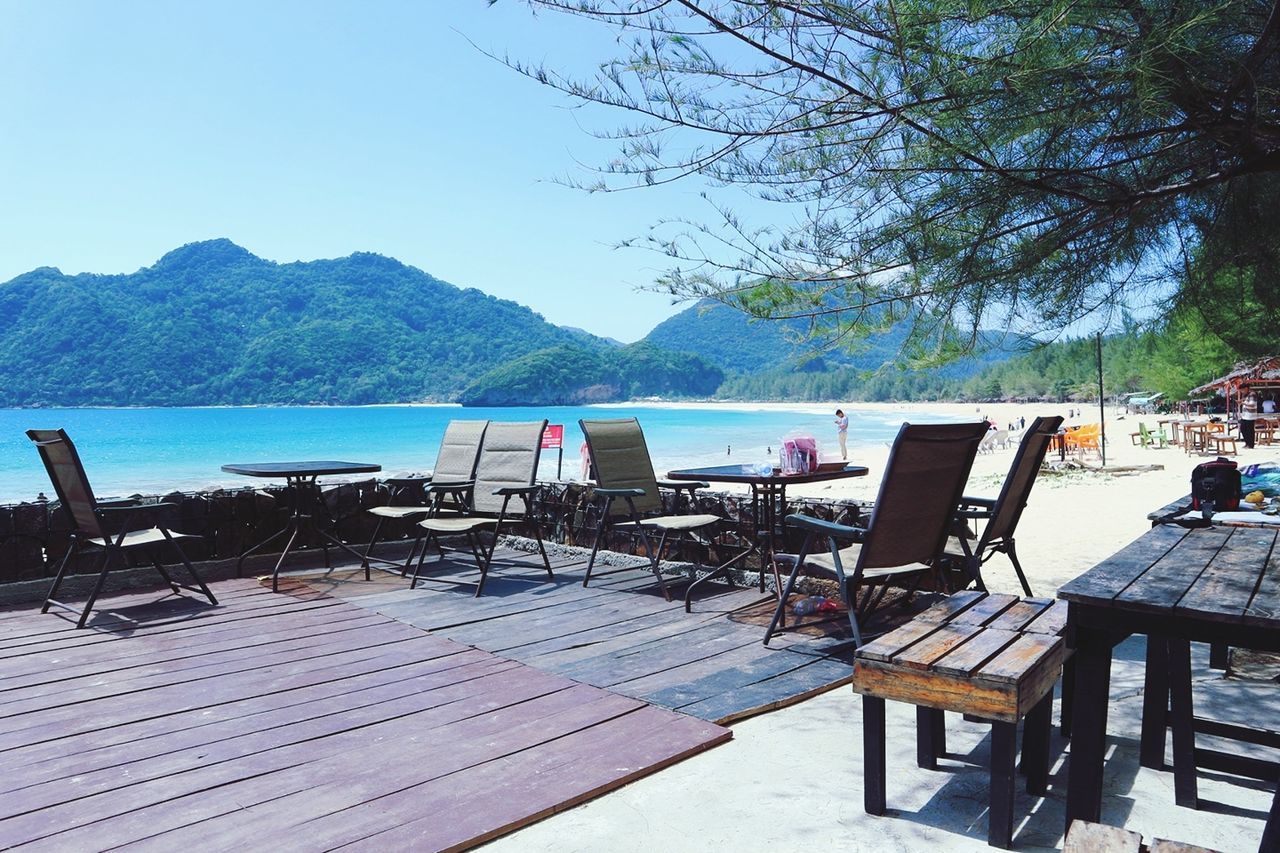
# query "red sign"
(553, 436)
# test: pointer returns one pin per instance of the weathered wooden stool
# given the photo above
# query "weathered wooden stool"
(993, 657)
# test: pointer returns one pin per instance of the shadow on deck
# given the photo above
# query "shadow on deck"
(619, 633)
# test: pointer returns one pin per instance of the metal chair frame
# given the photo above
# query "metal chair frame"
(76, 495)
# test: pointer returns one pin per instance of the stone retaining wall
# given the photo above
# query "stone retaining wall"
(33, 536)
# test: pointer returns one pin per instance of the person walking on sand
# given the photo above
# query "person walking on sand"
(842, 433)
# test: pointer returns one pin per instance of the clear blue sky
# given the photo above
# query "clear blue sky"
(306, 130)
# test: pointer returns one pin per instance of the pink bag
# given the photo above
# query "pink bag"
(799, 455)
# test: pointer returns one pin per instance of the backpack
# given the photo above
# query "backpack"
(1215, 486)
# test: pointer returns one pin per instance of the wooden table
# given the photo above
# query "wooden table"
(768, 504)
(1214, 584)
(1195, 434)
(304, 496)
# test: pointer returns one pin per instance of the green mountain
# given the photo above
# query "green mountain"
(768, 360)
(211, 323)
(572, 375)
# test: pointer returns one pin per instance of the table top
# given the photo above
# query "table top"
(1246, 516)
(749, 474)
(300, 469)
(1211, 574)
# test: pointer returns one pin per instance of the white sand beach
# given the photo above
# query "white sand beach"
(792, 779)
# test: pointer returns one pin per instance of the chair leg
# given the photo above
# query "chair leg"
(168, 579)
(546, 561)
(786, 593)
(1004, 738)
(485, 559)
(1182, 716)
(191, 570)
(422, 558)
(595, 548)
(97, 587)
(655, 561)
(1017, 567)
(373, 540)
(57, 579)
(873, 755)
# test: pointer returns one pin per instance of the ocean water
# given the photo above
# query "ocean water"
(152, 451)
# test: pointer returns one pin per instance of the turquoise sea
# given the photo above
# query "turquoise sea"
(152, 451)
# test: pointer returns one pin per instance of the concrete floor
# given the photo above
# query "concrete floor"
(792, 779)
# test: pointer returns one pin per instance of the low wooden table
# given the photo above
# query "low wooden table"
(996, 657)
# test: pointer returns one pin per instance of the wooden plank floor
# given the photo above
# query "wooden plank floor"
(618, 633)
(295, 721)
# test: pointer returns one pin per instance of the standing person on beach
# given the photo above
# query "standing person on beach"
(1248, 414)
(842, 433)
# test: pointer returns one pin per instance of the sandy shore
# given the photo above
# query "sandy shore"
(804, 763)
(1072, 521)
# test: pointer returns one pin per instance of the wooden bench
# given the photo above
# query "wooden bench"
(1085, 837)
(991, 657)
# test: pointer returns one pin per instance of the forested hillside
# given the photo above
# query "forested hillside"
(1171, 359)
(211, 323)
(771, 360)
(571, 375)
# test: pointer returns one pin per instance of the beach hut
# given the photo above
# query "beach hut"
(1257, 375)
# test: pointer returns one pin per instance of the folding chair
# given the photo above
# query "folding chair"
(506, 468)
(624, 470)
(455, 465)
(910, 520)
(76, 495)
(1002, 514)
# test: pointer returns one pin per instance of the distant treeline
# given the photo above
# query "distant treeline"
(1172, 359)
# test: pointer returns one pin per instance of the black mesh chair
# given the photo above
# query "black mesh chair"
(76, 496)
(1001, 515)
(910, 521)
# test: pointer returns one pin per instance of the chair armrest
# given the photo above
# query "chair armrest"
(515, 490)
(826, 528)
(619, 493)
(678, 485)
(458, 486)
(135, 507)
(989, 503)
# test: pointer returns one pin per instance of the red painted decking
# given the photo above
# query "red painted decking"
(296, 721)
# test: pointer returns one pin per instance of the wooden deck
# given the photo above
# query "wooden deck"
(303, 721)
(619, 633)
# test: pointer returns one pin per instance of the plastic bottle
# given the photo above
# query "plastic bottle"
(805, 606)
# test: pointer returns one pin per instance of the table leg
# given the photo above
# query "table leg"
(873, 755)
(1182, 716)
(1155, 704)
(1089, 725)
(927, 728)
(1004, 738)
(1037, 731)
